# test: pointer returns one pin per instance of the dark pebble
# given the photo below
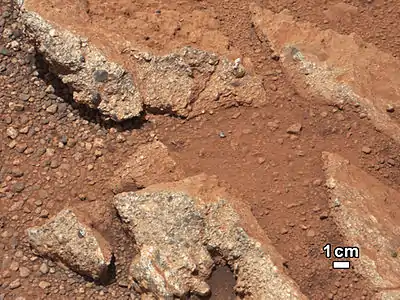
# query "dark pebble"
(100, 75)
(64, 139)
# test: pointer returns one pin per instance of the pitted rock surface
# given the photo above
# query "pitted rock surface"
(341, 69)
(185, 221)
(65, 239)
(367, 213)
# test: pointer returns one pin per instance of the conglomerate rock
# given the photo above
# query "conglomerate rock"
(95, 81)
(367, 213)
(341, 69)
(186, 82)
(67, 240)
(177, 226)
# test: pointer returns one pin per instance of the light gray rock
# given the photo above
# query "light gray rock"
(178, 225)
(65, 239)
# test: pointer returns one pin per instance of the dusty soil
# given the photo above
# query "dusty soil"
(66, 156)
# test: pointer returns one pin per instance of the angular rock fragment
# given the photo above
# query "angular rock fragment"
(341, 69)
(367, 212)
(95, 81)
(149, 164)
(177, 226)
(65, 239)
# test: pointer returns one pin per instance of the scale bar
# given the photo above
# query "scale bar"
(341, 265)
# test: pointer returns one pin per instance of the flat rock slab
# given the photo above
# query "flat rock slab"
(67, 240)
(342, 69)
(122, 84)
(149, 164)
(177, 226)
(368, 214)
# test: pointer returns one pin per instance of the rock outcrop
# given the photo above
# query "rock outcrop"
(150, 164)
(177, 226)
(185, 83)
(94, 81)
(67, 240)
(367, 213)
(341, 69)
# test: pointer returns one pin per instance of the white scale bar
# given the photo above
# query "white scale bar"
(341, 265)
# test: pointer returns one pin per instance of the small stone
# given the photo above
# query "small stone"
(391, 162)
(12, 133)
(52, 109)
(18, 107)
(15, 45)
(44, 213)
(17, 172)
(50, 90)
(390, 108)
(363, 115)
(236, 115)
(14, 266)
(8, 120)
(261, 160)
(15, 284)
(284, 231)
(120, 138)
(18, 187)
(44, 268)
(88, 146)
(98, 143)
(24, 272)
(53, 33)
(123, 284)
(21, 147)
(323, 216)
(81, 233)
(310, 233)
(54, 164)
(24, 97)
(100, 75)
(317, 182)
(71, 143)
(222, 135)
(44, 285)
(64, 139)
(24, 130)
(4, 51)
(294, 129)
(98, 153)
(366, 150)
